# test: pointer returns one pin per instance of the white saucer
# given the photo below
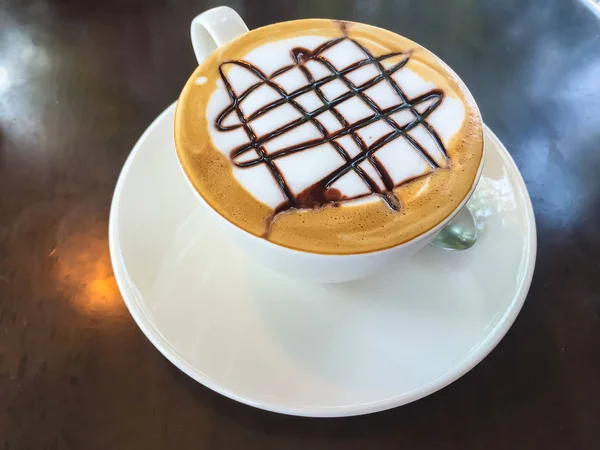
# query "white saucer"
(307, 349)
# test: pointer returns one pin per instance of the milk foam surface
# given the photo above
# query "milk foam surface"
(296, 142)
(301, 170)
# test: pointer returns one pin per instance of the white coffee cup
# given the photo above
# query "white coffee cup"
(216, 27)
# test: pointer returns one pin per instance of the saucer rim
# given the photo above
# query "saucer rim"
(154, 335)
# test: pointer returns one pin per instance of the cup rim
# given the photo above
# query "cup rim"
(422, 235)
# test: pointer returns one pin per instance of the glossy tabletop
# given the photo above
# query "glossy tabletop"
(81, 80)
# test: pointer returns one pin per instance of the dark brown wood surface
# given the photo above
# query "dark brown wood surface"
(79, 82)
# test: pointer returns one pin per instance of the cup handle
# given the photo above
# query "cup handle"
(213, 28)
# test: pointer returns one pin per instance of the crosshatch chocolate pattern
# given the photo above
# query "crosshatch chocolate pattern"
(321, 192)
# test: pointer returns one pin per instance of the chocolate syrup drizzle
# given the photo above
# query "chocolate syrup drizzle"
(321, 193)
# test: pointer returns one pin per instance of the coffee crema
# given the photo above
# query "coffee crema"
(329, 137)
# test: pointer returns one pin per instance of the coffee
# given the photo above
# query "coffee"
(329, 137)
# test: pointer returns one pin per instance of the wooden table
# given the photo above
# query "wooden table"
(80, 81)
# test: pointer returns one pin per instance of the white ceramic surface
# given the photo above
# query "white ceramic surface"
(308, 349)
(216, 27)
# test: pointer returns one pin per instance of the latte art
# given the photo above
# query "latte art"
(360, 106)
(331, 138)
